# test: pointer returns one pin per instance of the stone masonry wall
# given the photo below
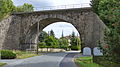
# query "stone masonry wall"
(21, 28)
(9, 33)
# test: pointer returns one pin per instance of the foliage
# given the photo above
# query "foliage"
(42, 44)
(7, 54)
(6, 7)
(43, 35)
(73, 34)
(25, 8)
(75, 47)
(104, 62)
(48, 41)
(63, 43)
(95, 4)
(75, 43)
(113, 45)
(109, 12)
(51, 41)
(52, 33)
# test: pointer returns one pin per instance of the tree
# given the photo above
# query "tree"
(52, 33)
(109, 12)
(51, 42)
(75, 43)
(95, 4)
(6, 7)
(43, 35)
(63, 43)
(25, 8)
(110, 15)
(42, 44)
(73, 34)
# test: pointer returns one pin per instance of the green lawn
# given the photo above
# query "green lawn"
(1, 64)
(86, 62)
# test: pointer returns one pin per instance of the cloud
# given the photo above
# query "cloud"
(35, 3)
(40, 3)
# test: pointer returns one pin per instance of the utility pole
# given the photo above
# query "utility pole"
(77, 40)
(37, 36)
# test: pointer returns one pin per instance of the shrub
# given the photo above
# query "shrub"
(75, 47)
(7, 54)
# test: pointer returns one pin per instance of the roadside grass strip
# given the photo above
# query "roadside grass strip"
(86, 62)
(2, 64)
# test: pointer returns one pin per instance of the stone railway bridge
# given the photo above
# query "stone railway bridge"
(21, 28)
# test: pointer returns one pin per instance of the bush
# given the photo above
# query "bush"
(75, 47)
(104, 62)
(7, 54)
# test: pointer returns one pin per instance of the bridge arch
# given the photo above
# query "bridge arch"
(23, 26)
(32, 35)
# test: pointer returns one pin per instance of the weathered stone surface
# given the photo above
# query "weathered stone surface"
(97, 52)
(21, 28)
(87, 51)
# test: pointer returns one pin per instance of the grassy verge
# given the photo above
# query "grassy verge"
(86, 62)
(2, 64)
(23, 55)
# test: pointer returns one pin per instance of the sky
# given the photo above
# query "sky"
(58, 26)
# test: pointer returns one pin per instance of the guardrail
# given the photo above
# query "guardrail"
(83, 5)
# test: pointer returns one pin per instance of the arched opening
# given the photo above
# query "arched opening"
(32, 37)
(60, 36)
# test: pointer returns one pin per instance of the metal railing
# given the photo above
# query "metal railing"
(83, 5)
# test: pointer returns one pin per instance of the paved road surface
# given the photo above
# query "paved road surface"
(48, 60)
(68, 61)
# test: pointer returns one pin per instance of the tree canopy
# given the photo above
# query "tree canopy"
(7, 7)
(52, 33)
(109, 12)
(25, 8)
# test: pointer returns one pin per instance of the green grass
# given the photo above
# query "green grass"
(23, 54)
(86, 62)
(2, 64)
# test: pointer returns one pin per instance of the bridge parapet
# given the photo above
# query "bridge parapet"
(70, 6)
(60, 7)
